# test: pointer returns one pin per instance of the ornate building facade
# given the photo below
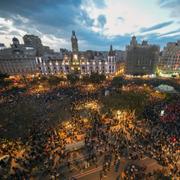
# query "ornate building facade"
(30, 58)
(83, 63)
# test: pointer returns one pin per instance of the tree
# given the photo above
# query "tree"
(86, 79)
(97, 78)
(4, 81)
(3, 76)
(54, 80)
(24, 80)
(34, 81)
(43, 78)
(117, 82)
(72, 78)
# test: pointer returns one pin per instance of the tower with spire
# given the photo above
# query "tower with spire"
(111, 52)
(111, 60)
(74, 42)
(15, 42)
(133, 42)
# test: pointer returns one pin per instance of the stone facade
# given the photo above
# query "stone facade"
(35, 42)
(56, 64)
(28, 58)
(18, 59)
(141, 59)
(83, 63)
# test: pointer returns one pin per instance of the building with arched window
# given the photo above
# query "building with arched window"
(83, 63)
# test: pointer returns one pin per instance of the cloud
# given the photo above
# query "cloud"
(101, 20)
(157, 26)
(171, 32)
(120, 19)
(85, 19)
(168, 3)
(174, 5)
(3, 28)
(98, 23)
(156, 38)
(43, 12)
(99, 4)
(56, 18)
(14, 33)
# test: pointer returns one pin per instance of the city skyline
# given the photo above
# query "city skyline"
(97, 23)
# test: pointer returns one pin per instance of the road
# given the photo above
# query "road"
(94, 173)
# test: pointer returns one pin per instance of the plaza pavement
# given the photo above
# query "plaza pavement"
(93, 173)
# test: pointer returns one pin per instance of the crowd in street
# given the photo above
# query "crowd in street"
(43, 152)
(163, 141)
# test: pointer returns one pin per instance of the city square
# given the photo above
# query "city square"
(65, 132)
(89, 90)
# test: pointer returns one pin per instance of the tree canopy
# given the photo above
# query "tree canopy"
(72, 78)
(97, 78)
(3, 76)
(4, 81)
(117, 82)
(54, 80)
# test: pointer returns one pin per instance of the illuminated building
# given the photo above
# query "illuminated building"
(170, 60)
(30, 58)
(83, 63)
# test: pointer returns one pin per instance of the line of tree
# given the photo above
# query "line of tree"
(5, 82)
(54, 80)
(73, 78)
(94, 78)
(117, 82)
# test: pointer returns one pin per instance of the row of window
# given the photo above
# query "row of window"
(39, 61)
(67, 69)
(83, 67)
(12, 70)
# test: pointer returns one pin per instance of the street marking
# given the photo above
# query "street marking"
(144, 158)
(74, 167)
(88, 172)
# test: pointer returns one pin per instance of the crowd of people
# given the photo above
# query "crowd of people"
(43, 148)
(163, 140)
(43, 151)
(171, 112)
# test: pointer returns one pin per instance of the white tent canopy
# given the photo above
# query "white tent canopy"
(165, 88)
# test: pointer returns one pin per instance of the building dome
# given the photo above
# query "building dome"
(15, 41)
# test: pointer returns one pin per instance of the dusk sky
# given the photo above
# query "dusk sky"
(98, 23)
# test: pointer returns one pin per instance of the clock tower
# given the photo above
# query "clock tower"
(75, 66)
(74, 42)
